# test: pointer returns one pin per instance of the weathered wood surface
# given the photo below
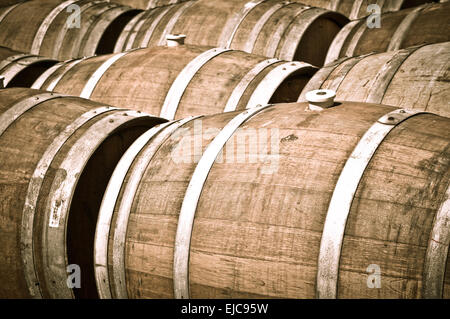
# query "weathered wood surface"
(257, 235)
(49, 27)
(274, 28)
(428, 23)
(359, 8)
(6, 3)
(147, 4)
(20, 69)
(145, 79)
(417, 78)
(33, 149)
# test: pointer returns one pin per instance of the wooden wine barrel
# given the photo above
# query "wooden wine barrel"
(281, 202)
(147, 4)
(274, 28)
(417, 77)
(359, 9)
(175, 82)
(50, 28)
(428, 23)
(20, 69)
(57, 155)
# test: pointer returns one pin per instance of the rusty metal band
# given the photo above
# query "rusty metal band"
(342, 198)
(60, 198)
(129, 33)
(149, 32)
(97, 75)
(33, 191)
(437, 252)
(14, 68)
(192, 197)
(233, 24)
(14, 112)
(402, 29)
(173, 20)
(386, 74)
(45, 25)
(267, 87)
(108, 204)
(278, 36)
(338, 42)
(253, 36)
(124, 210)
(242, 86)
(183, 79)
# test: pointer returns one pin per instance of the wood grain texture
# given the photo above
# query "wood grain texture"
(214, 18)
(420, 82)
(146, 4)
(141, 79)
(430, 25)
(99, 20)
(22, 146)
(6, 3)
(261, 239)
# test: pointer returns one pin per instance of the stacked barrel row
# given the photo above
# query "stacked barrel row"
(152, 146)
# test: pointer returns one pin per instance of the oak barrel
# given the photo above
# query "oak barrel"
(175, 82)
(274, 28)
(57, 155)
(147, 4)
(417, 77)
(281, 201)
(359, 8)
(51, 28)
(428, 23)
(21, 69)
